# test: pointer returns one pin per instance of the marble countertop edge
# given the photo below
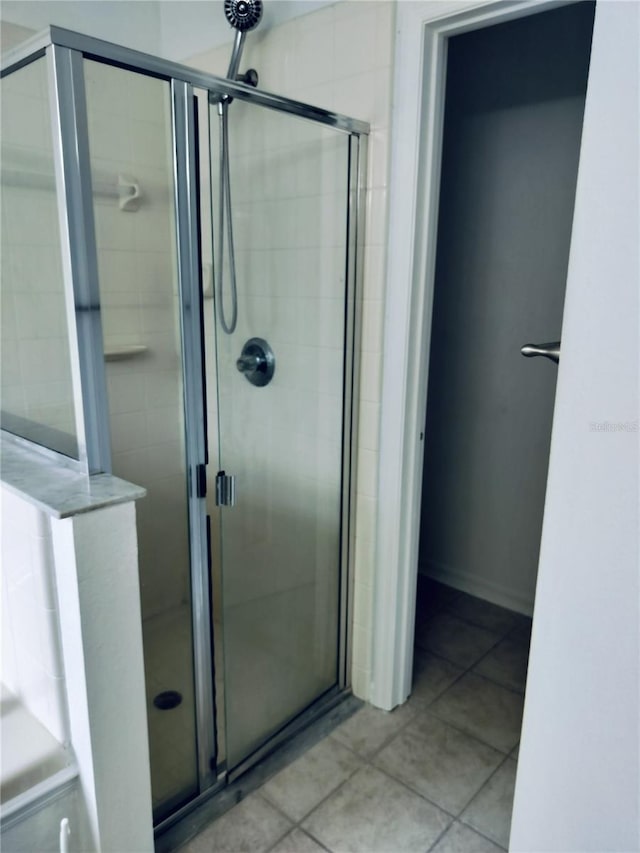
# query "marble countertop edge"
(57, 490)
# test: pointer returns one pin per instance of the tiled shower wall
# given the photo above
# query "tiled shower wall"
(340, 58)
(36, 368)
(130, 139)
(32, 666)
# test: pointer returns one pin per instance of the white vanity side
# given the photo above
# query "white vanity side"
(96, 560)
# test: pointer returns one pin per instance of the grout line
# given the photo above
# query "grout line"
(367, 759)
(279, 839)
(312, 836)
(477, 794)
(473, 665)
(416, 793)
(467, 826)
(324, 800)
(441, 836)
(462, 731)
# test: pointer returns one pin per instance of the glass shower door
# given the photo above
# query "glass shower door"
(131, 154)
(280, 544)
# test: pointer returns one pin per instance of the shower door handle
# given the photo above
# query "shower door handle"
(550, 350)
(225, 489)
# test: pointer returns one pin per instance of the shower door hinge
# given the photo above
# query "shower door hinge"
(225, 489)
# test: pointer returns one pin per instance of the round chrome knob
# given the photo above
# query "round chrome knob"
(257, 362)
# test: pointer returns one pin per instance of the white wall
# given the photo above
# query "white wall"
(510, 161)
(32, 666)
(578, 773)
(339, 58)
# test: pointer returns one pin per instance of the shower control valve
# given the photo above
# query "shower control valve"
(257, 362)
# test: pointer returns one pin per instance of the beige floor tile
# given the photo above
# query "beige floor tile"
(431, 677)
(490, 811)
(369, 729)
(454, 639)
(483, 613)
(299, 788)
(253, 826)
(372, 812)
(485, 710)
(298, 841)
(439, 762)
(461, 839)
(506, 664)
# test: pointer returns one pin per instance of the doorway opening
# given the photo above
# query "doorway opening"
(514, 105)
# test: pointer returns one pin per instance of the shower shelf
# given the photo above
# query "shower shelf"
(122, 353)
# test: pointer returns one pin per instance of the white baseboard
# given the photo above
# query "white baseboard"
(480, 587)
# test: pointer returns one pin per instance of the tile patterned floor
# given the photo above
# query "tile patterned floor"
(436, 774)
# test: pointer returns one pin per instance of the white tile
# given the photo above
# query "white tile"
(109, 139)
(381, 116)
(365, 517)
(50, 652)
(314, 54)
(371, 377)
(23, 120)
(372, 325)
(360, 681)
(367, 472)
(376, 221)
(378, 157)
(355, 96)
(43, 571)
(385, 33)
(364, 560)
(362, 642)
(149, 144)
(355, 42)
(363, 608)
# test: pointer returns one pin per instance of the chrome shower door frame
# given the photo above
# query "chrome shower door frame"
(66, 51)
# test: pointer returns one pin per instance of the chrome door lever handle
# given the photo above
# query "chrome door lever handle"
(550, 350)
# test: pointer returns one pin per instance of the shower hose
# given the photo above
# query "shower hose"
(224, 217)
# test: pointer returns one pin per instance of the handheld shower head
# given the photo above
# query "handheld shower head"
(243, 15)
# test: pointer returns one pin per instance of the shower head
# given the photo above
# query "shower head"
(243, 15)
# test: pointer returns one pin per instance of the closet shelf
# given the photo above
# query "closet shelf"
(122, 353)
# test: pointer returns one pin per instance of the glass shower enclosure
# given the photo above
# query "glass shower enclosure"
(243, 441)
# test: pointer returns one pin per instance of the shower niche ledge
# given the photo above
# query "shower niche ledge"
(123, 353)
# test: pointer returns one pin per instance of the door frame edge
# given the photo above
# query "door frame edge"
(422, 32)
